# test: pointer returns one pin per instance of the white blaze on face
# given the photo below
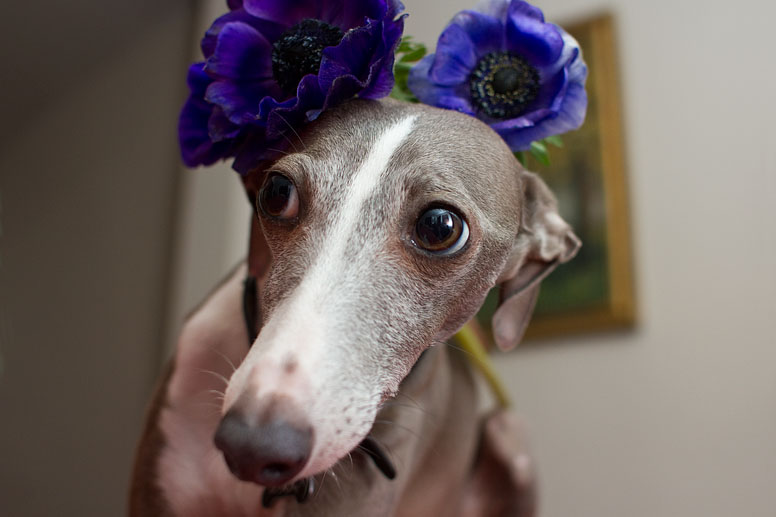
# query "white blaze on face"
(298, 353)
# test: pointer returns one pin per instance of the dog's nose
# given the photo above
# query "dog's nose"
(270, 451)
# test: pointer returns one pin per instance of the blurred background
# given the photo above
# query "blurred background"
(106, 242)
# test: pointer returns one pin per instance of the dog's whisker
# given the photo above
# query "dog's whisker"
(336, 478)
(410, 398)
(218, 393)
(284, 135)
(433, 446)
(226, 358)
(454, 347)
(396, 403)
(208, 403)
(376, 451)
(281, 151)
(217, 376)
(323, 480)
(413, 432)
(422, 411)
(294, 131)
(211, 409)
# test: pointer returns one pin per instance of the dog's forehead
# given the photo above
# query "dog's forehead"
(443, 151)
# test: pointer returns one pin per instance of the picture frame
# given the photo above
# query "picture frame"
(595, 290)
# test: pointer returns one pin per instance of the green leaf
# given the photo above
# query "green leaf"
(401, 95)
(520, 155)
(407, 53)
(539, 151)
(414, 54)
(555, 140)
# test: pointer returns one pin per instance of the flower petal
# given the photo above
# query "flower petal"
(514, 26)
(255, 149)
(577, 69)
(219, 127)
(427, 92)
(237, 108)
(195, 144)
(570, 54)
(527, 35)
(270, 30)
(241, 53)
(418, 81)
(281, 117)
(197, 80)
(351, 56)
(286, 12)
(348, 14)
(240, 101)
(269, 104)
(455, 102)
(494, 8)
(485, 32)
(551, 92)
(573, 70)
(380, 81)
(570, 117)
(455, 57)
(365, 54)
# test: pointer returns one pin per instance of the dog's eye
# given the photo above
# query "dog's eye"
(278, 197)
(441, 231)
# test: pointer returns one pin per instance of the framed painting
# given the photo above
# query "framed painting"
(594, 291)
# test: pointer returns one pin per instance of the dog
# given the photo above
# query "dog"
(377, 236)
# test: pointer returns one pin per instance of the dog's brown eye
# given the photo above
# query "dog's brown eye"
(278, 197)
(441, 231)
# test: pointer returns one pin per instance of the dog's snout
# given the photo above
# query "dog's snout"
(269, 449)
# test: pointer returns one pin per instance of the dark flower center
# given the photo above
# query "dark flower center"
(503, 84)
(298, 52)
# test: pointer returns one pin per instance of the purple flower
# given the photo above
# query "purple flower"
(272, 65)
(506, 66)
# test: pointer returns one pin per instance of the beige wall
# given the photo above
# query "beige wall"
(212, 219)
(677, 418)
(88, 188)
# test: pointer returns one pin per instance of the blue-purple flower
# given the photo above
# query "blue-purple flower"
(505, 65)
(272, 65)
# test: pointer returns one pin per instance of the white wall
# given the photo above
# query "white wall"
(677, 418)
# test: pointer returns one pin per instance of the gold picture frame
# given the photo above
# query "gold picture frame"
(604, 125)
(595, 290)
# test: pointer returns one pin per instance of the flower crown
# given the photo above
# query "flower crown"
(272, 66)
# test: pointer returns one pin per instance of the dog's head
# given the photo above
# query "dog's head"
(388, 224)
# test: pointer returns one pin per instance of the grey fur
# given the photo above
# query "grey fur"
(387, 301)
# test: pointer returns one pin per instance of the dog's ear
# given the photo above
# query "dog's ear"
(544, 241)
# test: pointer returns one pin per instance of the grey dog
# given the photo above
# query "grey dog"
(378, 235)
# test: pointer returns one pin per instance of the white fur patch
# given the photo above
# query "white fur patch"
(301, 330)
(364, 183)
